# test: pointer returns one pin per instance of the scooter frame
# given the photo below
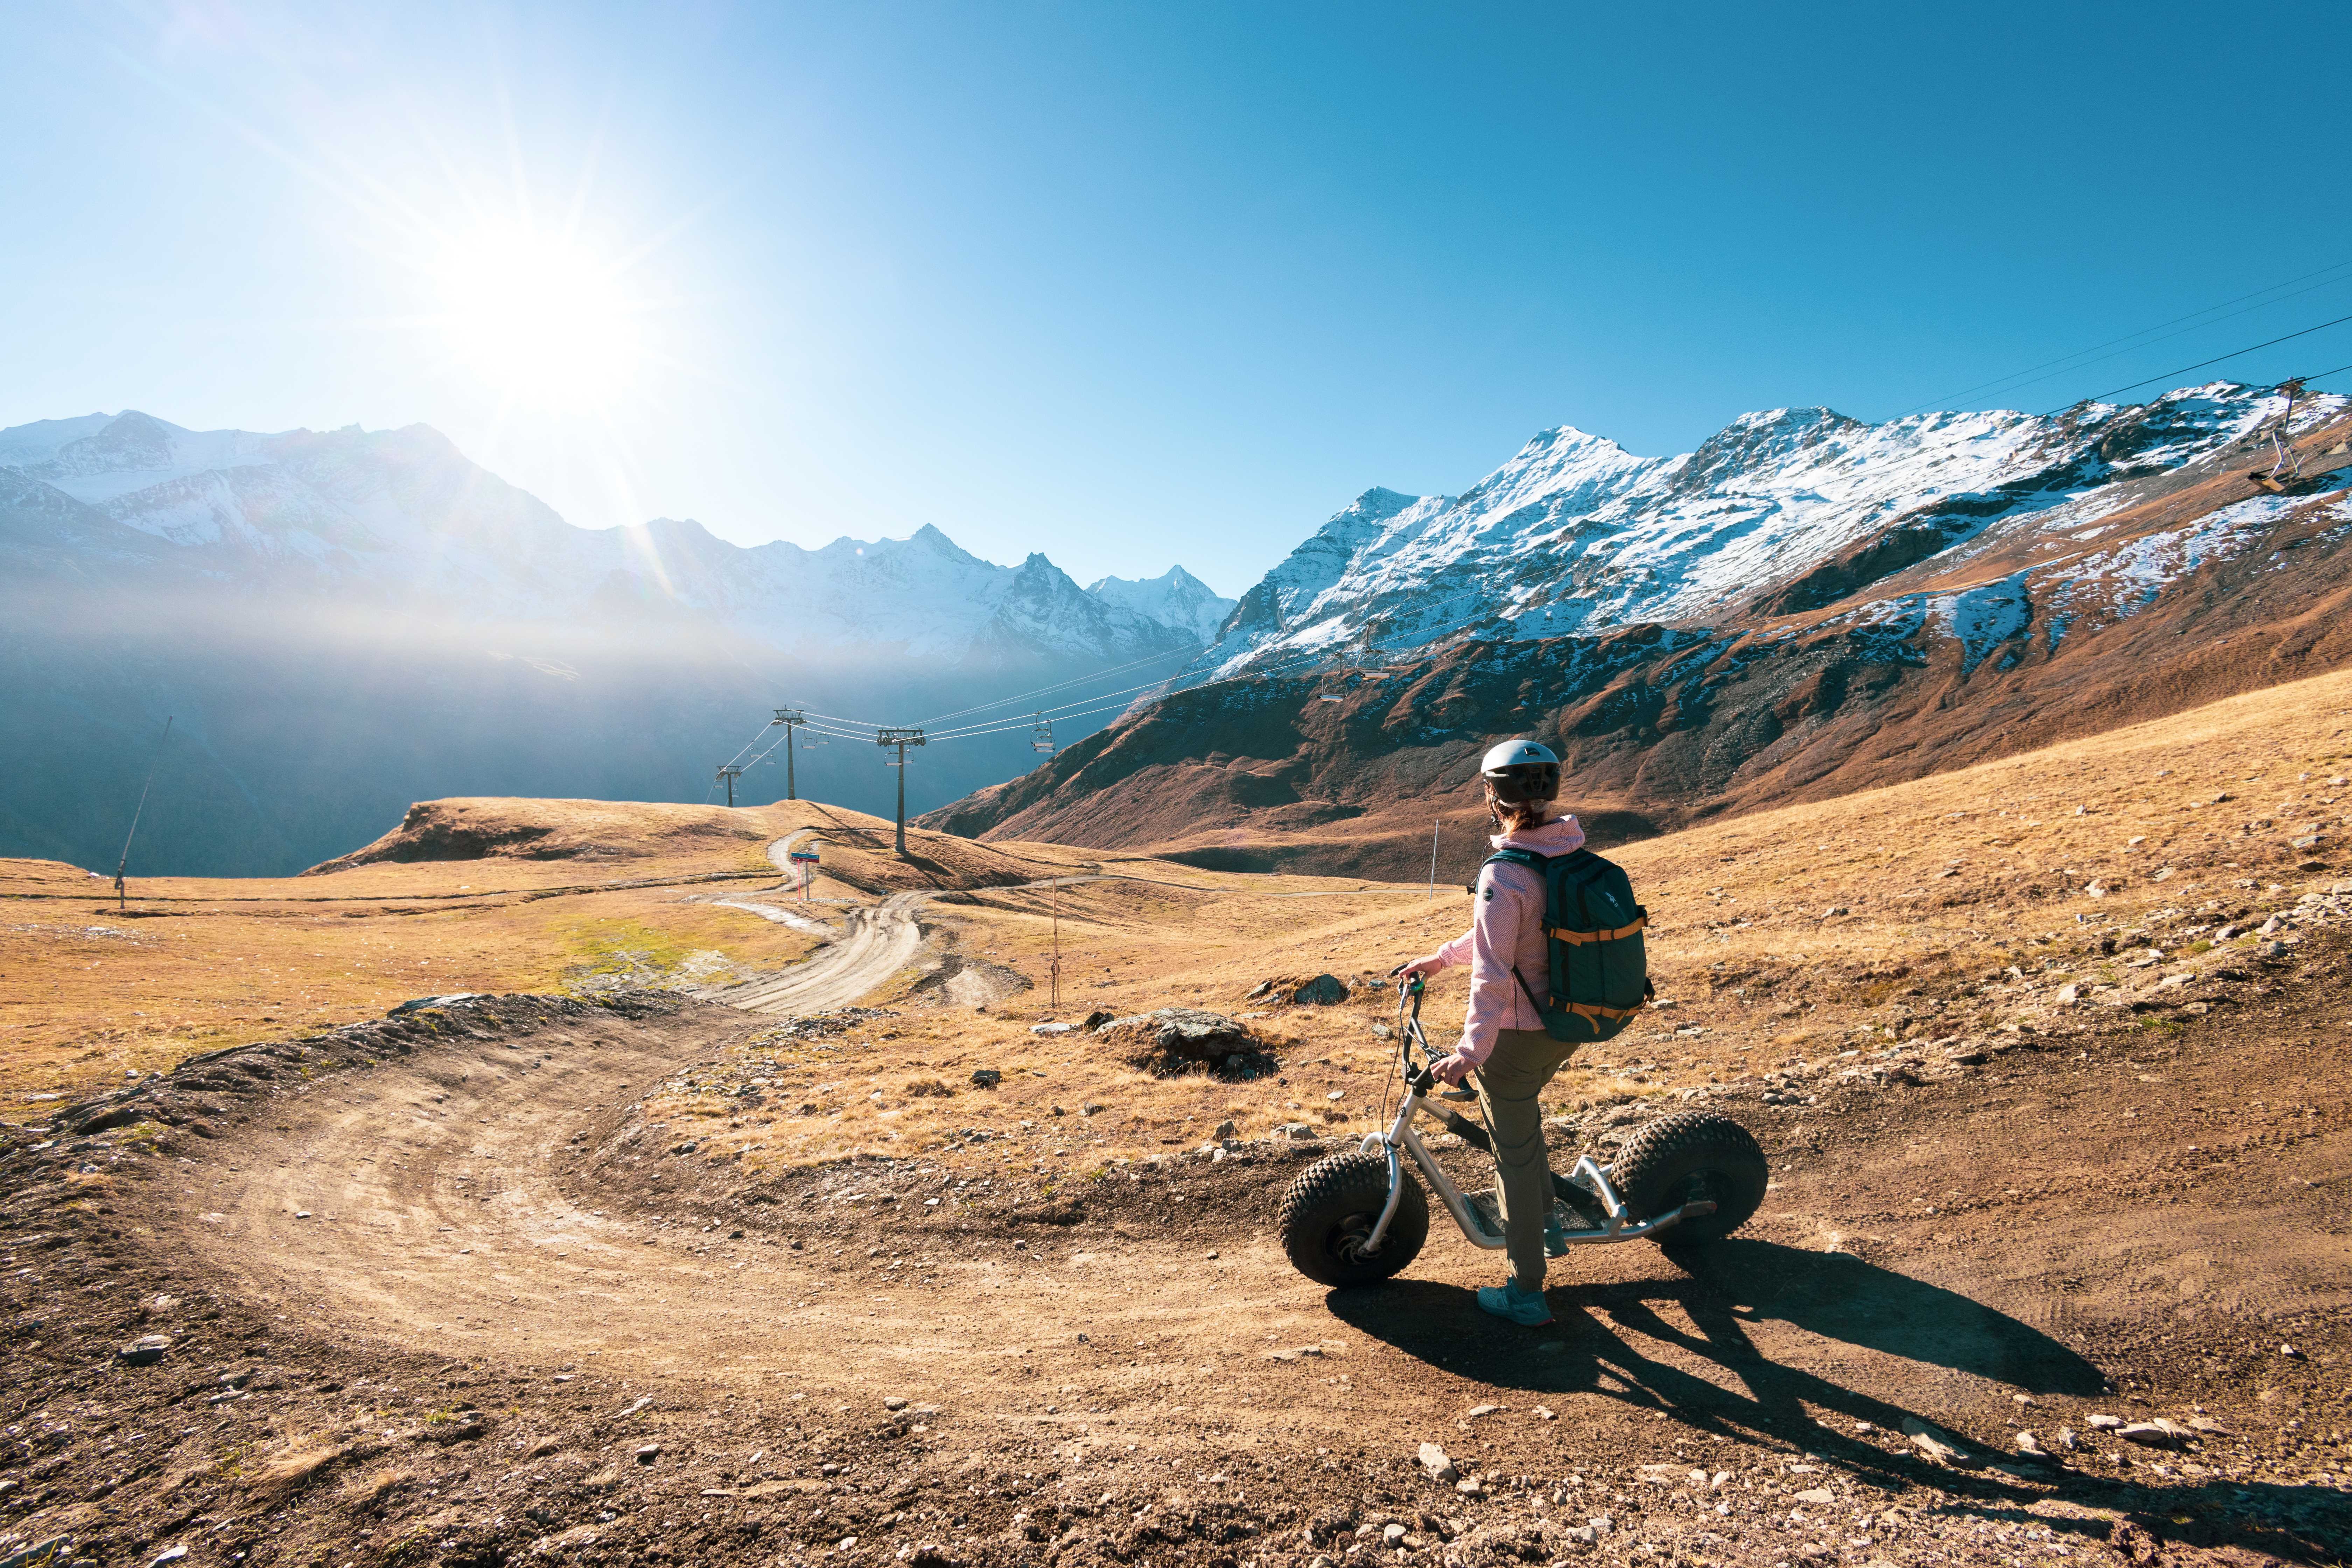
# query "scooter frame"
(1400, 1137)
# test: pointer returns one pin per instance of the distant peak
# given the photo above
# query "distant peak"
(1376, 505)
(939, 544)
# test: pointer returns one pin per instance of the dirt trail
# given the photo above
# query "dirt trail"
(2109, 1225)
(442, 1213)
(448, 1208)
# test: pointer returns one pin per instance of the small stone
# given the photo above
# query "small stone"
(1336, 1094)
(1468, 1487)
(648, 1453)
(895, 1402)
(2030, 1446)
(2156, 1434)
(1834, 911)
(1393, 1534)
(2271, 950)
(1226, 1130)
(1298, 1133)
(1817, 1495)
(1323, 991)
(987, 1078)
(1543, 1412)
(2068, 995)
(1439, 1467)
(2290, 1352)
(1051, 1028)
(2105, 1423)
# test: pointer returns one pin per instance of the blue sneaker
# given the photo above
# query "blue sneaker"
(1503, 1300)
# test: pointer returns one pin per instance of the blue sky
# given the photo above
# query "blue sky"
(1135, 284)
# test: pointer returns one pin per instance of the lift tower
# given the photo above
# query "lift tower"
(728, 776)
(788, 718)
(902, 738)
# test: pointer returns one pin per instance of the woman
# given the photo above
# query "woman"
(1503, 1039)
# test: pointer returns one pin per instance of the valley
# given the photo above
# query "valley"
(592, 1266)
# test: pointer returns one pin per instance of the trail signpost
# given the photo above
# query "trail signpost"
(804, 861)
(902, 738)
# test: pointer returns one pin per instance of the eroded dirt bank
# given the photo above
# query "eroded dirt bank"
(430, 1291)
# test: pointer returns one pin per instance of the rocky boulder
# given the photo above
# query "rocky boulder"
(1171, 1041)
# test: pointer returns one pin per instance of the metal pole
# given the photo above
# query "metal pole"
(1432, 861)
(790, 717)
(902, 738)
(120, 895)
(1054, 972)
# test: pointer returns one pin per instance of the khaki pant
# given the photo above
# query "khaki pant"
(1524, 1060)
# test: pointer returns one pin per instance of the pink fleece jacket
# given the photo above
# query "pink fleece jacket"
(1506, 932)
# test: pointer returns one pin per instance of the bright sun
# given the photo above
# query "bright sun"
(538, 319)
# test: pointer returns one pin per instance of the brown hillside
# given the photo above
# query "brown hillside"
(1988, 650)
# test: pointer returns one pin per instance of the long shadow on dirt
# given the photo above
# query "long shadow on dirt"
(1738, 1283)
(1593, 1348)
(1730, 1285)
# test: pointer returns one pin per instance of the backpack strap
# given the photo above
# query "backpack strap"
(1527, 857)
(1581, 1009)
(1577, 938)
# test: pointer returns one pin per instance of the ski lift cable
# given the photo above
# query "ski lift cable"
(1059, 685)
(2202, 363)
(2151, 342)
(740, 753)
(1280, 666)
(2129, 337)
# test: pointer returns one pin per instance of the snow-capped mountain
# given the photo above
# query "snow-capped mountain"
(1805, 604)
(1174, 598)
(1784, 510)
(340, 623)
(402, 517)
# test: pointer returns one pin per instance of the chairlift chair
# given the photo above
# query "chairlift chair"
(2288, 467)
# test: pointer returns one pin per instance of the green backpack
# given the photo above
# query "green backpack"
(1599, 968)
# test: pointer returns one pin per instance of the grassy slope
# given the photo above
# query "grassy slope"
(1950, 882)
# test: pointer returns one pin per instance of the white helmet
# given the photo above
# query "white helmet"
(1521, 771)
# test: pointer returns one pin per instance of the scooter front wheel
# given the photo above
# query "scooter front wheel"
(1695, 1154)
(1330, 1210)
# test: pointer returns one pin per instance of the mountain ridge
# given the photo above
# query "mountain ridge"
(402, 514)
(2041, 575)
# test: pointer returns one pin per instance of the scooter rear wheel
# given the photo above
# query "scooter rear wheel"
(1697, 1154)
(1332, 1207)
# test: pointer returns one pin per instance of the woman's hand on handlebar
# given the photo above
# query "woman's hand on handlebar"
(1412, 967)
(1452, 1068)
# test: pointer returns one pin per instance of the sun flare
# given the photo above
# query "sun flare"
(538, 317)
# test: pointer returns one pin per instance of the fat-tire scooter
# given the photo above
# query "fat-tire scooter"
(1359, 1218)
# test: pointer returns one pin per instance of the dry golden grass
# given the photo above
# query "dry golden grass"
(1950, 881)
(1741, 946)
